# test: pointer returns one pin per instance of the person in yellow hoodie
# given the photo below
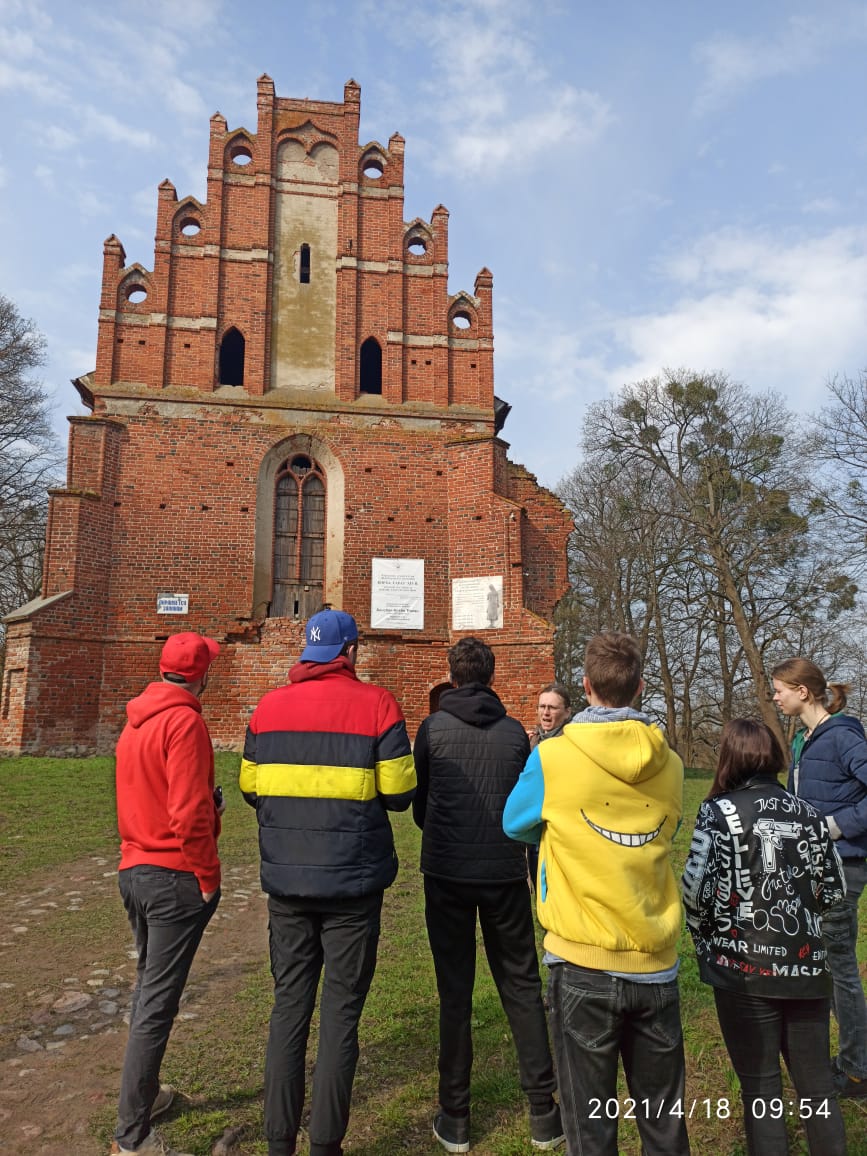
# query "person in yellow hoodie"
(604, 801)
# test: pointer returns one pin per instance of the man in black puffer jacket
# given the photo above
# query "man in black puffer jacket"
(468, 756)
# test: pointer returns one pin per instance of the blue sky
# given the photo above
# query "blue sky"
(653, 185)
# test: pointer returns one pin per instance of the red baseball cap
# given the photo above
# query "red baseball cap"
(188, 655)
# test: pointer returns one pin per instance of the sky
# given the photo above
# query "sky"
(653, 185)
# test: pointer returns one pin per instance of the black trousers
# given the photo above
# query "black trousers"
(508, 932)
(305, 934)
(757, 1032)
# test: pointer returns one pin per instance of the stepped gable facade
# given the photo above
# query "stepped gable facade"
(288, 410)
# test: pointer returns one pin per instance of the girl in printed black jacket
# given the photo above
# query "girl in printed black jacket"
(761, 870)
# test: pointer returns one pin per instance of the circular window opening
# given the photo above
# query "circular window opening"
(416, 246)
(189, 226)
(462, 320)
(372, 168)
(135, 294)
(241, 155)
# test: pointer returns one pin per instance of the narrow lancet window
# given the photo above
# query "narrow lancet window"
(232, 358)
(370, 369)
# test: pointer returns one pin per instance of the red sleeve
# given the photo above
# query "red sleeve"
(190, 775)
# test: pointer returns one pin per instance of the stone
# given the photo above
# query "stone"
(72, 1001)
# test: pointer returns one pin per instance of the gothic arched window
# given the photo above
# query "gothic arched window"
(370, 375)
(299, 539)
(232, 357)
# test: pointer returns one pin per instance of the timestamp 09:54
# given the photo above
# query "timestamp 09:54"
(776, 1108)
(708, 1109)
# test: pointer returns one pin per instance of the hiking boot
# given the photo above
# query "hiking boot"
(453, 1132)
(163, 1100)
(153, 1145)
(546, 1130)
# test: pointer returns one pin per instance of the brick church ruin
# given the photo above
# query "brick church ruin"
(289, 409)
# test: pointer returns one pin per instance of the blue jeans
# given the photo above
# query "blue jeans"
(305, 934)
(168, 917)
(757, 1031)
(840, 933)
(597, 1018)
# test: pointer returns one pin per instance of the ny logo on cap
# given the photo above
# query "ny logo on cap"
(314, 633)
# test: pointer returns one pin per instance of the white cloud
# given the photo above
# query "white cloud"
(77, 272)
(45, 176)
(106, 125)
(731, 64)
(31, 81)
(571, 118)
(775, 314)
(90, 204)
(493, 98)
(822, 205)
(144, 202)
(53, 137)
(185, 101)
(18, 44)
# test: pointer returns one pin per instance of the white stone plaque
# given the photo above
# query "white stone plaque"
(397, 594)
(477, 603)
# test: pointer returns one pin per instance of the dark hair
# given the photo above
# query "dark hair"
(559, 689)
(748, 747)
(471, 660)
(612, 666)
(797, 672)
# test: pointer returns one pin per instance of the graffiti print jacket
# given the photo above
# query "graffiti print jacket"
(761, 870)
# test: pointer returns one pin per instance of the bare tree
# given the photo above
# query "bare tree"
(718, 453)
(841, 443)
(28, 458)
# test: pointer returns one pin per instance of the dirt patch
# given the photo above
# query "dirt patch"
(67, 967)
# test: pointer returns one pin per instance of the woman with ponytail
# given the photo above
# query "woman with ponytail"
(829, 770)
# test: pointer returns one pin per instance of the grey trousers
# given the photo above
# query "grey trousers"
(168, 917)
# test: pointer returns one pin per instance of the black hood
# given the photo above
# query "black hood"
(472, 703)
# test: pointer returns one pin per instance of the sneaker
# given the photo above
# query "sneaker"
(453, 1132)
(163, 1100)
(849, 1087)
(153, 1145)
(546, 1131)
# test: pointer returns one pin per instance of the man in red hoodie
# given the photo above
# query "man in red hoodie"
(169, 821)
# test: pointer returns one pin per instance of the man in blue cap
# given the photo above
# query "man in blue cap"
(325, 758)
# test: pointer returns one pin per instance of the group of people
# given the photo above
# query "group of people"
(770, 888)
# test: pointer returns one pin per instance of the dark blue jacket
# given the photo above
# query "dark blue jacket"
(831, 773)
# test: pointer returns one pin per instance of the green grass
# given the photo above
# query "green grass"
(63, 811)
(58, 811)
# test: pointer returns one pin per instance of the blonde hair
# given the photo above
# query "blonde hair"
(795, 672)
